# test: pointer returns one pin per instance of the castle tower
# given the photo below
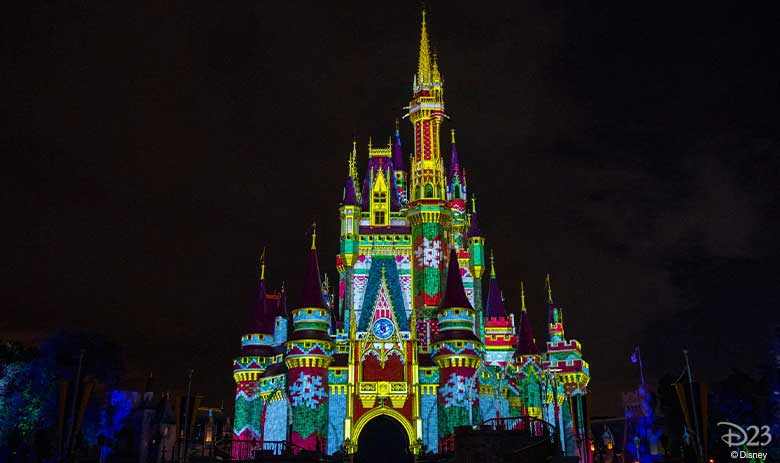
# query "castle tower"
(500, 337)
(500, 341)
(476, 264)
(564, 360)
(528, 367)
(260, 350)
(456, 351)
(309, 353)
(429, 214)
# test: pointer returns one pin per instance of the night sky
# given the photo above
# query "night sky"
(629, 149)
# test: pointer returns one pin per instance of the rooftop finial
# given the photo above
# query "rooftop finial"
(262, 264)
(424, 63)
(492, 264)
(548, 286)
(397, 127)
(452, 134)
(435, 74)
(314, 235)
(522, 297)
(352, 163)
(473, 203)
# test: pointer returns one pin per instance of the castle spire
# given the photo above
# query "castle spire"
(259, 315)
(526, 344)
(312, 285)
(495, 305)
(424, 63)
(435, 75)
(522, 297)
(548, 287)
(398, 155)
(262, 265)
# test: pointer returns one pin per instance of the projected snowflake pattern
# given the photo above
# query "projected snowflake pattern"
(307, 390)
(428, 253)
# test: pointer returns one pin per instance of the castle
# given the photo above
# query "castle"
(414, 338)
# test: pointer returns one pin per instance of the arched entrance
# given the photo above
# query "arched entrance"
(383, 439)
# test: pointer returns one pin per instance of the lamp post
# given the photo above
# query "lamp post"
(693, 408)
(183, 455)
(72, 418)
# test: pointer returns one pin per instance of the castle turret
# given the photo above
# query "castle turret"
(455, 350)
(259, 350)
(564, 360)
(500, 337)
(309, 353)
(528, 365)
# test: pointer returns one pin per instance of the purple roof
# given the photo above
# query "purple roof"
(350, 199)
(495, 306)
(312, 285)
(455, 164)
(398, 155)
(281, 306)
(526, 344)
(474, 227)
(455, 295)
(364, 195)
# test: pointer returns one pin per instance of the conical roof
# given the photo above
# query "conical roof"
(312, 285)
(455, 295)
(350, 198)
(495, 304)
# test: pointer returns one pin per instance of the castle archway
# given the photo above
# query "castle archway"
(383, 435)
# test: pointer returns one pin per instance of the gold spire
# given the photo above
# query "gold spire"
(473, 203)
(353, 161)
(492, 265)
(314, 235)
(424, 64)
(522, 297)
(262, 265)
(397, 127)
(435, 75)
(452, 136)
(549, 288)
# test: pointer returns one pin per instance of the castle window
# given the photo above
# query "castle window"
(379, 217)
(428, 190)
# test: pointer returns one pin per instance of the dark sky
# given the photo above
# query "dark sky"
(629, 149)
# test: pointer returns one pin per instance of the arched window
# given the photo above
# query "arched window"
(428, 190)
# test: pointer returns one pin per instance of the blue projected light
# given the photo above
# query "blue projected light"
(383, 328)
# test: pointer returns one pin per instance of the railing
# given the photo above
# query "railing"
(534, 426)
(249, 450)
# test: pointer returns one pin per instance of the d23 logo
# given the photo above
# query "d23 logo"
(752, 436)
